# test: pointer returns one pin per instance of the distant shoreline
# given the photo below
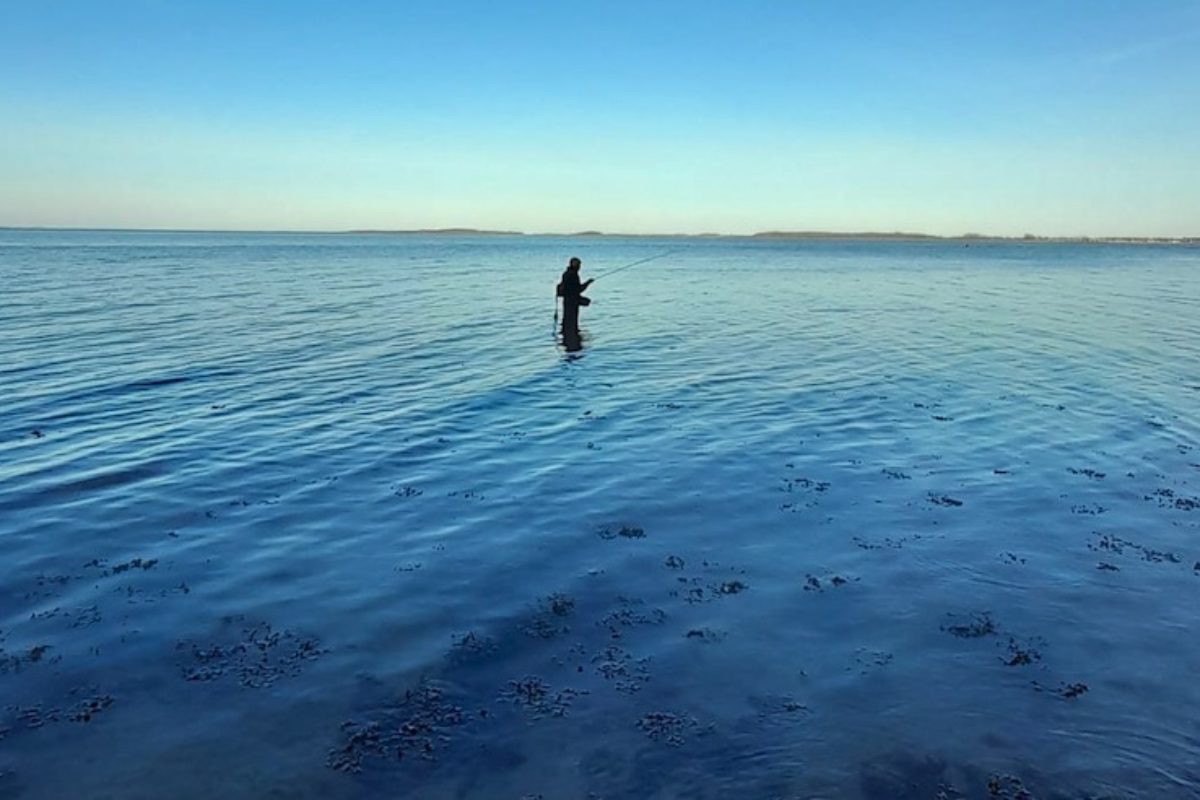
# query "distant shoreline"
(864, 236)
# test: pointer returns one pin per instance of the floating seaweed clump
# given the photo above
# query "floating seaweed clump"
(471, 646)
(416, 726)
(624, 532)
(630, 613)
(81, 711)
(258, 659)
(538, 698)
(627, 673)
(1022, 654)
(663, 726)
(547, 621)
(973, 627)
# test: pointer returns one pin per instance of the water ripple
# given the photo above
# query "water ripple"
(254, 487)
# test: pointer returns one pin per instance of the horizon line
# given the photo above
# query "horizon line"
(760, 235)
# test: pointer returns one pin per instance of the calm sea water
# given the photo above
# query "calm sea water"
(335, 516)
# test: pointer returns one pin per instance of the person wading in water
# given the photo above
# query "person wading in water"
(571, 290)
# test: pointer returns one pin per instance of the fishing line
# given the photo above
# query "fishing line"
(615, 271)
(634, 264)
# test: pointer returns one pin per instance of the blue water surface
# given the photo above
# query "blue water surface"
(289, 515)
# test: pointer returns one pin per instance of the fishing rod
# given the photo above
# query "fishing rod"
(615, 271)
(634, 264)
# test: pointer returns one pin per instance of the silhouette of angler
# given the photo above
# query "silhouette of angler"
(571, 290)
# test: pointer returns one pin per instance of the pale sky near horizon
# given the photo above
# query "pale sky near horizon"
(1051, 117)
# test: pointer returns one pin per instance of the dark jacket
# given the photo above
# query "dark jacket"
(571, 288)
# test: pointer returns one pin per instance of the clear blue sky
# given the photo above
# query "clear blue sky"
(1050, 117)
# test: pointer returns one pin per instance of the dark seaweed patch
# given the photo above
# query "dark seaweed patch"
(47, 586)
(416, 726)
(774, 705)
(791, 484)
(808, 485)
(665, 727)
(886, 542)
(730, 587)
(630, 613)
(696, 590)
(1090, 473)
(471, 646)
(258, 658)
(868, 660)
(623, 532)
(15, 662)
(86, 709)
(80, 711)
(1067, 691)
(813, 584)
(1167, 498)
(1006, 787)
(85, 617)
(811, 487)
(136, 594)
(538, 698)
(627, 673)
(136, 563)
(1022, 654)
(1111, 543)
(973, 626)
(560, 605)
(547, 621)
